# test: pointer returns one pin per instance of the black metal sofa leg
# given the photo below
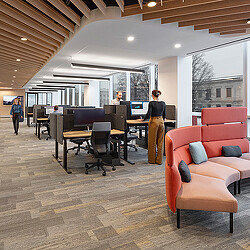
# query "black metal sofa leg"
(235, 188)
(231, 222)
(178, 218)
(239, 186)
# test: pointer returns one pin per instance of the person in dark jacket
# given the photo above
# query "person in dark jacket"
(156, 115)
(16, 113)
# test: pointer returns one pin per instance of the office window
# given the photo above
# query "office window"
(82, 95)
(200, 94)
(229, 105)
(31, 100)
(208, 94)
(42, 99)
(77, 95)
(49, 98)
(156, 76)
(218, 105)
(104, 93)
(120, 84)
(229, 92)
(139, 85)
(218, 92)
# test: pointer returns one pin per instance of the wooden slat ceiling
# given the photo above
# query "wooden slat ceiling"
(226, 17)
(46, 24)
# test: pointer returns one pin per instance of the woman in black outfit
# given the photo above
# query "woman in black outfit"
(156, 113)
(15, 113)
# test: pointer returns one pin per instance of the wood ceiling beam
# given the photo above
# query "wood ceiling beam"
(29, 21)
(9, 42)
(38, 16)
(204, 8)
(23, 57)
(20, 49)
(53, 14)
(236, 32)
(227, 29)
(207, 14)
(67, 11)
(220, 25)
(140, 4)
(219, 19)
(12, 37)
(20, 33)
(80, 5)
(13, 58)
(101, 6)
(8, 20)
(136, 9)
(120, 4)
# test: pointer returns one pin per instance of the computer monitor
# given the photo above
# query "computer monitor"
(139, 108)
(83, 117)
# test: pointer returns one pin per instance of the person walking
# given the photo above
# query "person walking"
(156, 113)
(16, 113)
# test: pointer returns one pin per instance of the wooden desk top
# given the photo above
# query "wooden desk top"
(42, 119)
(85, 133)
(132, 122)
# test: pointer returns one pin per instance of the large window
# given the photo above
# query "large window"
(31, 99)
(120, 84)
(139, 85)
(218, 75)
(77, 95)
(104, 93)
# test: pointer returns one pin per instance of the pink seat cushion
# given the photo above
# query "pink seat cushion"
(242, 165)
(245, 156)
(211, 169)
(206, 193)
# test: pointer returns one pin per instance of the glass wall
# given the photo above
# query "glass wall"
(42, 99)
(49, 99)
(77, 95)
(82, 95)
(139, 85)
(31, 99)
(70, 96)
(218, 78)
(120, 84)
(104, 93)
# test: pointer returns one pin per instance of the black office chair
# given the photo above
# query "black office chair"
(130, 137)
(79, 146)
(100, 142)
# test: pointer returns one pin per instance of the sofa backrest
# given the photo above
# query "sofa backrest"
(224, 127)
(177, 149)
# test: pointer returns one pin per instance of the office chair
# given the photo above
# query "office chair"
(100, 142)
(130, 137)
(79, 146)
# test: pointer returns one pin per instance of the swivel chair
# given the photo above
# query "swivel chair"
(79, 146)
(100, 142)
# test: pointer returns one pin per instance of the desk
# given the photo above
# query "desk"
(73, 135)
(39, 121)
(28, 118)
(145, 124)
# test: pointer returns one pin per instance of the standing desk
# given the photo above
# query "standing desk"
(28, 118)
(133, 123)
(39, 121)
(74, 135)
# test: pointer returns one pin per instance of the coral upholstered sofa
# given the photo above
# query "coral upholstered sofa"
(209, 180)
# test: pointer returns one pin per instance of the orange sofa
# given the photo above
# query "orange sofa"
(209, 180)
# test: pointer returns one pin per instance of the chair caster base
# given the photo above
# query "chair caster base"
(104, 173)
(113, 168)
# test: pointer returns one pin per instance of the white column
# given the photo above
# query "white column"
(111, 88)
(80, 95)
(246, 81)
(73, 97)
(152, 81)
(128, 86)
(63, 97)
(67, 101)
(175, 83)
(86, 95)
(94, 94)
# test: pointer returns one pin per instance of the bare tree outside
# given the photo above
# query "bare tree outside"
(202, 73)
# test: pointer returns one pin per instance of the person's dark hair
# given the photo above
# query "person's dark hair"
(55, 107)
(156, 93)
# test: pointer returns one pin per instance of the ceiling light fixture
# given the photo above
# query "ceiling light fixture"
(12, 84)
(14, 76)
(24, 39)
(177, 45)
(15, 70)
(151, 3)
(55, 82)
(55, 86)
(83, 77)
(131, 38)
(99, 67)
(18, 60)
(248, 21)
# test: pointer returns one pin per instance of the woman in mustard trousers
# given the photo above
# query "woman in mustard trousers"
(156, 115)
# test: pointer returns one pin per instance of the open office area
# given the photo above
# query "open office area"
(124, 124)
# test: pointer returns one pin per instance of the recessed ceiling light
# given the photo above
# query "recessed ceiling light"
(131, 38)
(177, 45)
(24, 39)
(151, 3)
(18, 60)
(12, 84)
(15, 70)
(12, 80)
(248, 21)
(14, 76)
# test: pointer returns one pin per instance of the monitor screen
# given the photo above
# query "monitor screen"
(88, 116)
(139, 108)
(8, 99)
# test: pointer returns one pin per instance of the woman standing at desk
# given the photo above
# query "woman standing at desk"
(16, 112)
(156, 113)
